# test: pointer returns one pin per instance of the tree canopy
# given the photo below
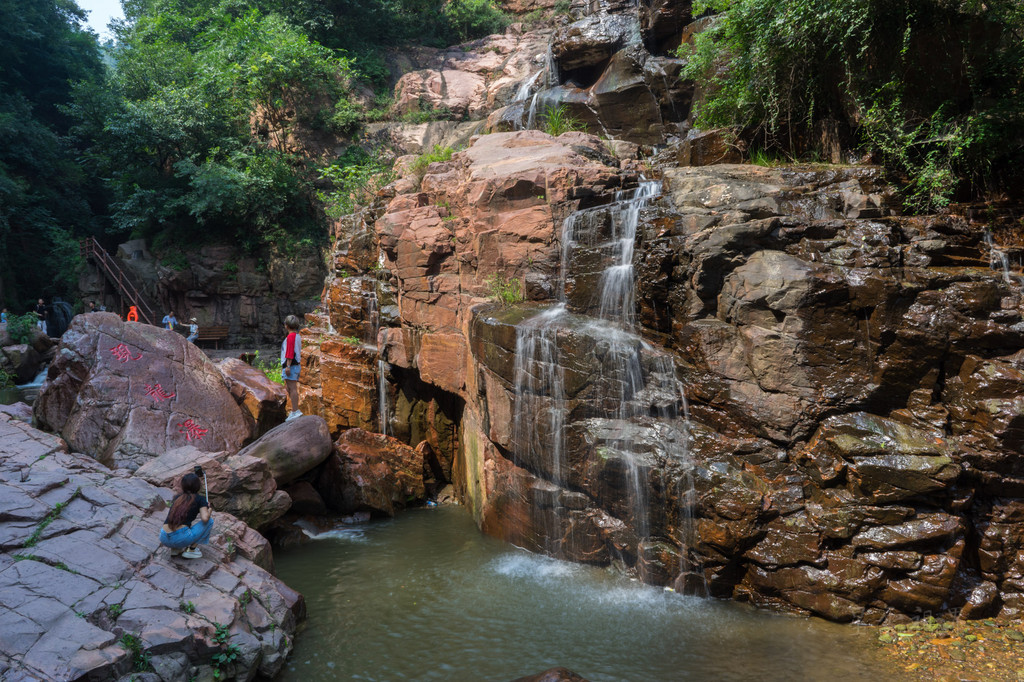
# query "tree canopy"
(45, 197)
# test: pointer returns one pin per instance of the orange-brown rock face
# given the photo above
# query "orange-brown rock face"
(853, 377)
(472, 81)
(372, 472)
(493, 211)
(338, 381)
(262, 400)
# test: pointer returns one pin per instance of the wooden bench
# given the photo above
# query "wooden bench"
(213, 333)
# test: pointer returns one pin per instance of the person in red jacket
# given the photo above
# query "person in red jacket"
(291, 357)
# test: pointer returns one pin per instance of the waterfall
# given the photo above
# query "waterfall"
(373, 327)
(383, 406)
(632, 398)
(618, 288)
(999, 260)
(524, 88)
(531, 117)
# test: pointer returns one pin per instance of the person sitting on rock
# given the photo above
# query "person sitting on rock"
(178, 533)
(291, 349)
(193, 330)
(170, 321)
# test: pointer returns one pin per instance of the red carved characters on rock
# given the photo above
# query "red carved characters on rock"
(123, 353)
(191, 430)
(157, 392)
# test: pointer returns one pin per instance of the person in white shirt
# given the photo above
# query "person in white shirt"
(193, 330)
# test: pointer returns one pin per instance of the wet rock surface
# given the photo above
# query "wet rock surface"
(87, 592)
(852, 376)
(372, 472)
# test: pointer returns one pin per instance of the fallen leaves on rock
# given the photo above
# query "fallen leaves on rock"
(953, 651)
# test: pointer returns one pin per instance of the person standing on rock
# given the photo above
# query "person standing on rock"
(178, 533)
(291, 350)
(40, 311)
(193, 330)
(170, 321)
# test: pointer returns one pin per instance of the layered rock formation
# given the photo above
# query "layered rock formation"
(824, 416)
(86, 591)
(609, 66)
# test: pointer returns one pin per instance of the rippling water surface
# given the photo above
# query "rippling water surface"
(426, 596)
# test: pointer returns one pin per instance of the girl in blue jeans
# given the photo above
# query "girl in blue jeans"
(178, 531)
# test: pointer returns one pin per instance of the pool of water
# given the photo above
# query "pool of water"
(426, 596)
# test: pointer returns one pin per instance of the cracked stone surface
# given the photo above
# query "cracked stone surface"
(81, 567)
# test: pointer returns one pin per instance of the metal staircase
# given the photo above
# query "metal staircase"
(121, 278)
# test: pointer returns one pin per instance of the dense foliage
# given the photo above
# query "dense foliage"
(45, 198)
(936, 87)
(193, 126)
(184, 129)
(364, 28)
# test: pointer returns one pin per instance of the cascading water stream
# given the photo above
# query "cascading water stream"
(633, 382)
(383, 406)
(998, 259)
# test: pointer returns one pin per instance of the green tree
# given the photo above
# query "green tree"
(45, 197)
(195, 145)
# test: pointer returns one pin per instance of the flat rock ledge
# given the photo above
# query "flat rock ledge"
(88, 593)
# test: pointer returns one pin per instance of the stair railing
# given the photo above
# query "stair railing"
(90, 249)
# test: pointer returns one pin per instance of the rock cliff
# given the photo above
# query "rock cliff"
(808, 401)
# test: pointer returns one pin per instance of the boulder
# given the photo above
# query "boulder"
(592, 40)
(627, 107)
(262, 400)
(373, 472)
(126, 392)
(23, 362)
(19, 411)
(238, 484)
(81, 564)
(305, 499)
(293, 448)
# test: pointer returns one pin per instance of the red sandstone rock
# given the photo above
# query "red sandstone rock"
(238, 484)
(126, 392)
(370, 471)
(471, 81)
(97, 570)
(339, 383)
(262, 400)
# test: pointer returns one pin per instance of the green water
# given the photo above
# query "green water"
(426, 596)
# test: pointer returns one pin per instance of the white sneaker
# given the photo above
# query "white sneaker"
(192, 554)
(293, 415)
